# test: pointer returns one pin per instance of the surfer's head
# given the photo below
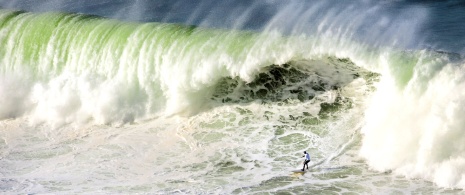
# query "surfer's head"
(305, 152)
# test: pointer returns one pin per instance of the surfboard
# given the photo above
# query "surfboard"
(298, 171)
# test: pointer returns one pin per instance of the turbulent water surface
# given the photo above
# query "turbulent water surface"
(152, 97)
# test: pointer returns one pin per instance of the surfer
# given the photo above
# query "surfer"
(306, 161)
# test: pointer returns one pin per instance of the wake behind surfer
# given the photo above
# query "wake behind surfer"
(306, 161)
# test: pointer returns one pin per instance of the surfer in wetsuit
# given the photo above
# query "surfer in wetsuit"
(307, 160)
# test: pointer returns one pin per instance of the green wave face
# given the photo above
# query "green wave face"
(53, 42)
(147, 68)
(154, 61)
(150, 66)
(139, 69)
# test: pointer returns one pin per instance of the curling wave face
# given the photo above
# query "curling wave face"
(81, 68)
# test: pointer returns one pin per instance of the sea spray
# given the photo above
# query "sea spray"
(413, 123)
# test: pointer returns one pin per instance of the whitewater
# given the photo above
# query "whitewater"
(99, 105)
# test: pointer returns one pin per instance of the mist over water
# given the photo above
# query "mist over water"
(223, 97)
(408, 23)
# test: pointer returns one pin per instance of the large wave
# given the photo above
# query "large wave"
(58, 69)
(78, 68)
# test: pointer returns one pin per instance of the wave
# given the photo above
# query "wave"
(79, 68)
(60, 68)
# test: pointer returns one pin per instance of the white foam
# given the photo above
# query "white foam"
(416, 129)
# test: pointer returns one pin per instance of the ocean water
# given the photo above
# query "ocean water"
(212, 97)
